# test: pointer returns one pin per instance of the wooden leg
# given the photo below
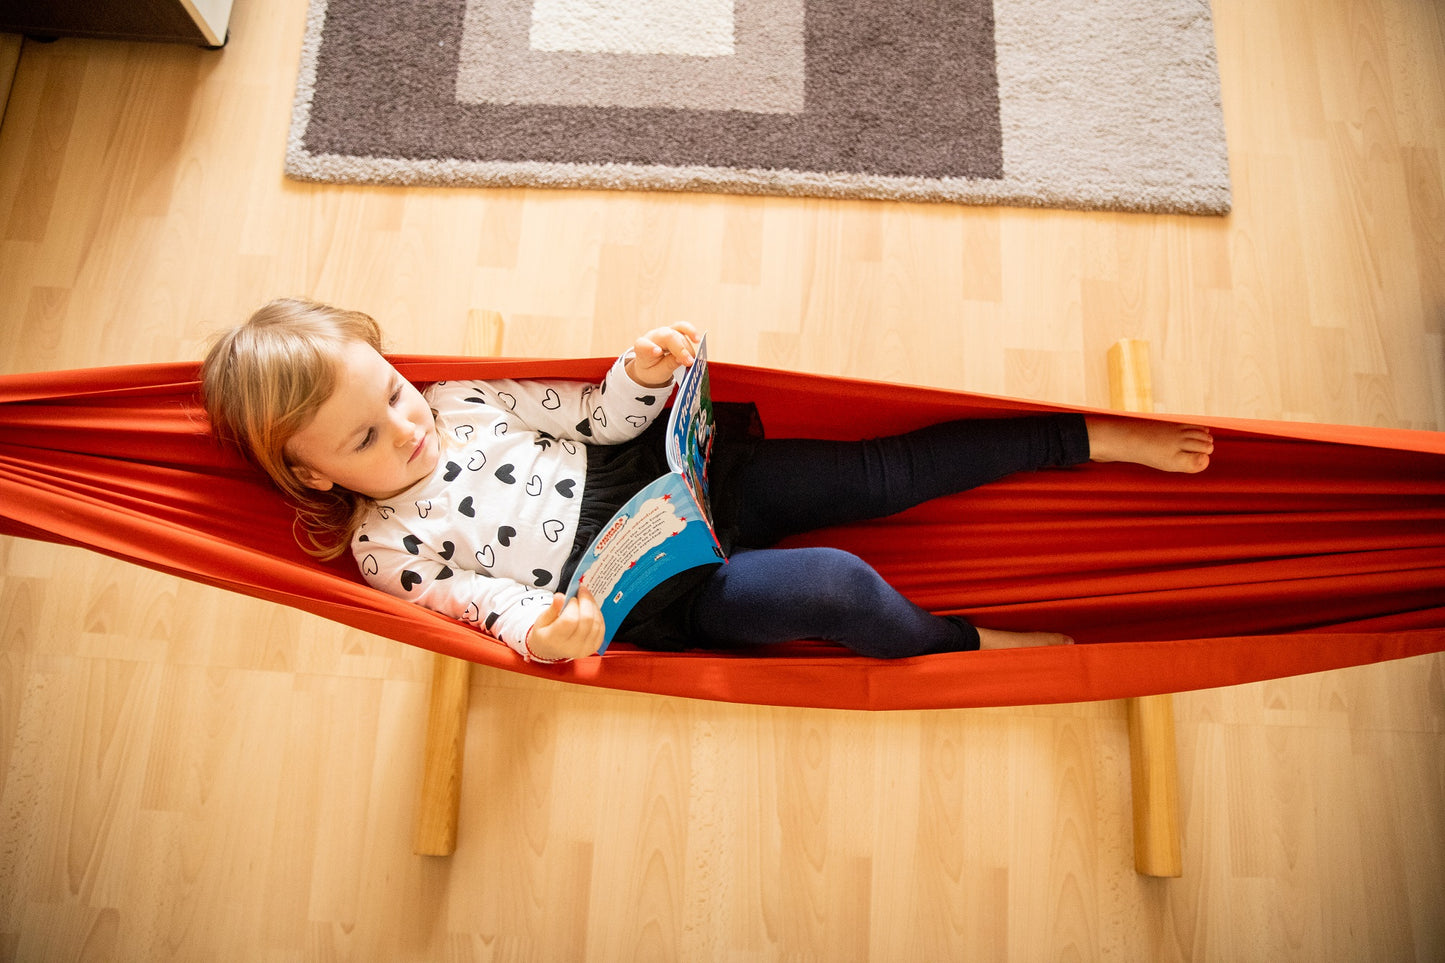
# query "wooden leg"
(484, 333)
(446, 737)
(438, 805)
(1153, 763)
(1155, 771)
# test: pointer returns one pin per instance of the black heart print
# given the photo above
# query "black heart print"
(504, 535)
(648, 399)
(566, 486)
(447, 549)
(453, 470)
(411, 542)
(409, 580)
(505, 475)
(584, 427)
(551, 401)
(446, 572)
(542, 575)
(466, 507)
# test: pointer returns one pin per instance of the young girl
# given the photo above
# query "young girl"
(477, 499)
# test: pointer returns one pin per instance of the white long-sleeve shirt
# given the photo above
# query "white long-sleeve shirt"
(484, 539)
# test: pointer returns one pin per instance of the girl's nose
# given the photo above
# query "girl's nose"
(403, 428)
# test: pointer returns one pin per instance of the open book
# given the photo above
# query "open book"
(666, 528)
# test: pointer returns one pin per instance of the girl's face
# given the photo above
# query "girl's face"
(375, 435)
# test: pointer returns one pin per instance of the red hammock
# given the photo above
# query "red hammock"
(1302, 548)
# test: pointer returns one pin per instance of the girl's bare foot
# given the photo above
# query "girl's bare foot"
(1155, 444)
(999, 639)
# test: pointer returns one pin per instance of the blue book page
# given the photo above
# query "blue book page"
(690, 428)
(666, 528)
(659, 533)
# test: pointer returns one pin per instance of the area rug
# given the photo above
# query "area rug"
(1108, 104)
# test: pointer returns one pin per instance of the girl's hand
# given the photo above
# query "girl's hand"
(568, 629)
(660, 352)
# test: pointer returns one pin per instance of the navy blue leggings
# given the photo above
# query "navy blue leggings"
(765, 595)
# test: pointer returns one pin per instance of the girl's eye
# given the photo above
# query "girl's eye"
(367, 439)
(396, 395)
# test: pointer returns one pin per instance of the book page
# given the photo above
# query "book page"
(666, 528)
(659, 533)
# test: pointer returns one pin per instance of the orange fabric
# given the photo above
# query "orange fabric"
(1303, 548)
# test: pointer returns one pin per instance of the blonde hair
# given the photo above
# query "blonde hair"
(263, 381)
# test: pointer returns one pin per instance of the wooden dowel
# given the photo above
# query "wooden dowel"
(1131, 388)
(439, 802)
(1154, 768)
(483, 337)
(1154, 765)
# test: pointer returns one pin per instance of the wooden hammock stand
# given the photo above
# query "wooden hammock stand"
(1153, 764)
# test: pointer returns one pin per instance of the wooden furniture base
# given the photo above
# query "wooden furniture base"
(1153, 763)
(1151, 719)
(439, 802)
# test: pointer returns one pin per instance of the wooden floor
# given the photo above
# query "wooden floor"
(194, 776)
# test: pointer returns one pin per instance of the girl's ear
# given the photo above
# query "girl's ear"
(311, 478)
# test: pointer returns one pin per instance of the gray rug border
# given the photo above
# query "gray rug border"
(301, 164)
